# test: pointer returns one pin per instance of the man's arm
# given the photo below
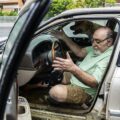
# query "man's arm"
(68, 65)
(76, 49)
(84, 77)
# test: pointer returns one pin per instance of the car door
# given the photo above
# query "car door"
(29, 18)
(112, 88)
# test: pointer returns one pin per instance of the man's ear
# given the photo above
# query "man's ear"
(110, 42)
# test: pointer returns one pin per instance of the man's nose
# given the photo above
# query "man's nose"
(94, 44)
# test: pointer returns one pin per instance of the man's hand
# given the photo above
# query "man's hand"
(68, 65)
(64, 64)
(75, 48)
(59, 34)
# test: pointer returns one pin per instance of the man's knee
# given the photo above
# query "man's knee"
(58, 93)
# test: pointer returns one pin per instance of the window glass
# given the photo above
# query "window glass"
(116, 27)
(13, 36)
(82, 27)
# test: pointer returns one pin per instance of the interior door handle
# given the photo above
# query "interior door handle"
(114, 113)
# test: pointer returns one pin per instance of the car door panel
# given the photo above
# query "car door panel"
(11, 58)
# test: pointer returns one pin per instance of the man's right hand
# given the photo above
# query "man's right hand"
(75, 48)
(59, 34)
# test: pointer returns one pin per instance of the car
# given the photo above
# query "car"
(27, 61)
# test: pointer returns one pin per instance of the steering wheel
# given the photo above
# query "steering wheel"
(57, 50)
(46, 59)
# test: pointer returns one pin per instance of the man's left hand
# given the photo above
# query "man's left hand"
(63, 64)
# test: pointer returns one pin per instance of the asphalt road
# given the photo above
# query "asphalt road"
(5, 29)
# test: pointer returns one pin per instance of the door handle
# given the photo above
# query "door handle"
(114, 113)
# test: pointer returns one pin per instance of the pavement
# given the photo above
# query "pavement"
(5, 29)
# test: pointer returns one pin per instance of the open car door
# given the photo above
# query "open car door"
(18, 40)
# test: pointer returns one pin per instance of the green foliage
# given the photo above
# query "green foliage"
(93, 3)
(8, 13)
(59, 6)
(88, 3)
(110, 1)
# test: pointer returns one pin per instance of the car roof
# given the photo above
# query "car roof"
(102, 9)
(114, 11)
(102, 12)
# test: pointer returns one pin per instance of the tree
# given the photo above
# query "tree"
(59, 6)
(110, 2)
(90, 3)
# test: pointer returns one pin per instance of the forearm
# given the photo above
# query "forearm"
(84, 77)
(76, 49)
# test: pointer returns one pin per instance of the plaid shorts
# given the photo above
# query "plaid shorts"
(76, 95)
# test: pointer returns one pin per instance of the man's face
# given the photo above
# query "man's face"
(100, 41)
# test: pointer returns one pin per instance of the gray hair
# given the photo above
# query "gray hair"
(109, 34)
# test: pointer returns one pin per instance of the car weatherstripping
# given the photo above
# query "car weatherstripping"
(33, 50)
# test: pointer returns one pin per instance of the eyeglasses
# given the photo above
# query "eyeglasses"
(99, 41)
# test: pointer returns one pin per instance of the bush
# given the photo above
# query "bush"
(8, 13)
(58, 6)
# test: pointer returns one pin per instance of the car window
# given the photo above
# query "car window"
(92, 23)
(11, 39)
(100, 22)
(116, 28)
(70, 32)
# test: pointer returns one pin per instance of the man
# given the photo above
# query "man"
(88, 74)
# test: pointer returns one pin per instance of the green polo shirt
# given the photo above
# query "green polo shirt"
(93, 65)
